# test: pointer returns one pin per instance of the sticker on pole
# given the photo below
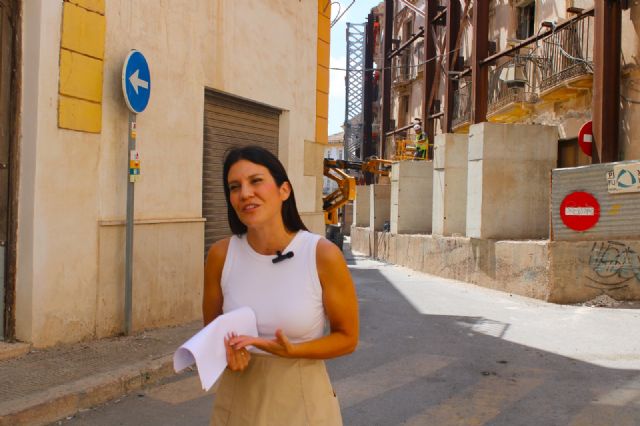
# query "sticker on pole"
(580, 211)
(585, 138)
(136, 81)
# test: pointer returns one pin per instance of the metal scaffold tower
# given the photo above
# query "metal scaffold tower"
(354, 91)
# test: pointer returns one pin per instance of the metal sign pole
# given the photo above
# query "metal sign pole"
(136, 88)
(128, 287)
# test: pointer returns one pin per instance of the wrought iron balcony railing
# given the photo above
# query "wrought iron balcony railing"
(514, 80)
(404, 67)
(567, 53)
(524, 73)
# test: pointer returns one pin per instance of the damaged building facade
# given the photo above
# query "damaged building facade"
(513, 96)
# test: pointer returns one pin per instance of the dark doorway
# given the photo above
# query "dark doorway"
(8, 17)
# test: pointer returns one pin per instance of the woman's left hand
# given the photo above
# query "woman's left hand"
(280, 346)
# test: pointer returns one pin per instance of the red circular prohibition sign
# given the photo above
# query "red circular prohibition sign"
(585, 138)
(580, 211)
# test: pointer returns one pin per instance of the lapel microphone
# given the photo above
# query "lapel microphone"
(280, 257)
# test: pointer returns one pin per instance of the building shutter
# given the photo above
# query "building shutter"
(229, 122)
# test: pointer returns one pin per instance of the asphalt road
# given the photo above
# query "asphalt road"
(441, 352)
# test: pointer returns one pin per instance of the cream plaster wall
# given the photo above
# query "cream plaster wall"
(261, 55)
(57, 283)
(73, 184)
(550, 11)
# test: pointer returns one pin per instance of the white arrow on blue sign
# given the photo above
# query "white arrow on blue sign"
(136, 81)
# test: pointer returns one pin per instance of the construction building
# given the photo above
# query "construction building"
(513, 95)
(222, 73)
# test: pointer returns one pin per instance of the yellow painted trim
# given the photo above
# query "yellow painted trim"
(80, 76)
(78, 114)
(93, 5)
(322, 130)
(324, 8)
(322, 71)
(324, 28)
(83, 31)
(81, 65)
(322, 104)
(324, 54)
(322, 84)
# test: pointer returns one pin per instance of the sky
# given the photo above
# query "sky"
(356, 14)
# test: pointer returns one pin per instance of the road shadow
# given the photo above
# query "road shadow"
(412, 368)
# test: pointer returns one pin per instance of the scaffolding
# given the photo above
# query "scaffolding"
(354, 96)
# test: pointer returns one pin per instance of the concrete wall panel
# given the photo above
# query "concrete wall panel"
(519, 267)
(450, 184)
(361, 206)
(559, 272)
(411, 197)
(508, 180)
(380, 206)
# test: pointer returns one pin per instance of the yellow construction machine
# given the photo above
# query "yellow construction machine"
(331, 203)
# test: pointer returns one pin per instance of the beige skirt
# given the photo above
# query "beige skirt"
(275, 391)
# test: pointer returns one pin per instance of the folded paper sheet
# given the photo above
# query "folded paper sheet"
(206, 348)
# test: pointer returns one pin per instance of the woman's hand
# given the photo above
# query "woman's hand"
(237, 358)
(280, 346)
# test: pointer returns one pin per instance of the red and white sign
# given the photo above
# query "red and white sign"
(585, 138)
(580, 211)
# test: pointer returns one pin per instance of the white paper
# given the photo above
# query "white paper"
(206, 348)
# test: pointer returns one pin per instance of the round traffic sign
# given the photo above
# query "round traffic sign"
(580, 211)
(136, 81)
(585, 138)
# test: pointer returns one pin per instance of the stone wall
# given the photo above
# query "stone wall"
(559, 272)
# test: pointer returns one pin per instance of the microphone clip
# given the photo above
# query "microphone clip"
(280, 257)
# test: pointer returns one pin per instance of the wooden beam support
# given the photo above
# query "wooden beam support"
(453, 27)
(430, 10)
(386, 75)
(479, 73)
(606, 80)
(367, 110)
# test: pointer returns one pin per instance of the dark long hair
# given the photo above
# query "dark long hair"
(261, 156)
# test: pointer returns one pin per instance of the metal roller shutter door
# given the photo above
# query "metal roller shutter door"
(229, 122)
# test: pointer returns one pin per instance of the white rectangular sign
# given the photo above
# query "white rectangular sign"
(624, 178)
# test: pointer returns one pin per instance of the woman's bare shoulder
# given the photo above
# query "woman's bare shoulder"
(218, 250)
(327, 254)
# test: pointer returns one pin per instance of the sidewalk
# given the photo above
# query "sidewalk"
(46, 385)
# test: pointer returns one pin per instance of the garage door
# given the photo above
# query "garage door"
(229, 122)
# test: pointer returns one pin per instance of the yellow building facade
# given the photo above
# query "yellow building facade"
(271, 59)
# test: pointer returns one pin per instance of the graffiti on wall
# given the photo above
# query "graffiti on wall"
(613, 265)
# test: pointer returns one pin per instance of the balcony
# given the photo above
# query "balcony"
(512, 90)
(405, 70)
(554, 68)
(566, 61)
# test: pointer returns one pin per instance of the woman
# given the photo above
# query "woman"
(277, 378)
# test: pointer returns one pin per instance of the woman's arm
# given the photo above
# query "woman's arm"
(340, 304)
(237, 360)
(212, 295)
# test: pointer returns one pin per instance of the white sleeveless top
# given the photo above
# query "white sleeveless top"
(285, 295)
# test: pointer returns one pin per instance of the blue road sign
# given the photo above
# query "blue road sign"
(136, 81)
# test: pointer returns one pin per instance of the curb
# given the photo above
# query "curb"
(66, 400)
(13, 350)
